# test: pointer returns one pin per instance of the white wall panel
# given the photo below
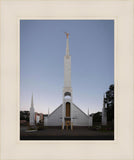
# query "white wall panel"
(79, 118)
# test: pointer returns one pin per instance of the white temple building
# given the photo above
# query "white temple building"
(67, 114)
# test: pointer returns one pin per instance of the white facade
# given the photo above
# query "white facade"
(67, 114)
(32, 113)
(37, 118)
(79, 118)
(55, 118)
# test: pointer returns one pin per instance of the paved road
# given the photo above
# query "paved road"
(58, 134)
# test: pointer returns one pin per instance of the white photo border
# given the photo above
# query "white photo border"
(121, 11)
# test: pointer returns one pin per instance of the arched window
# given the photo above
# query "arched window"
(67, 95)
(67, 109)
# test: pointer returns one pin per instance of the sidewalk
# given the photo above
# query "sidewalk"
(58, 134)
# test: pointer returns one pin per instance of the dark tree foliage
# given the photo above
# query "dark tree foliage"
(24, 115)
(97, 117)
(109, 100)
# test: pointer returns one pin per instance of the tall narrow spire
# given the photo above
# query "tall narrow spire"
(104, 100)
(67, 66)
(32, 113)
(67, 44)
(48, 111)
(32, 105)
(104, 112)
(88, 112)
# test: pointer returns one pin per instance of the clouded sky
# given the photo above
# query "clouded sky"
(42, 50)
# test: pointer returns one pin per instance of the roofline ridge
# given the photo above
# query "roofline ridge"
(79, 109)
(54, 110)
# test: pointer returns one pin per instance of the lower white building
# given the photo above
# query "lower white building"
(37, 119)
(71, 116)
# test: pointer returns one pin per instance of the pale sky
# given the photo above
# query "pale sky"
(42, 50)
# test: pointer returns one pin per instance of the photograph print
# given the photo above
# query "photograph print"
(66, 80)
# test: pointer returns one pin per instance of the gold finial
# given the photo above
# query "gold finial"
(67, 34)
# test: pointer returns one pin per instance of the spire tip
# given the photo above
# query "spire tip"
(67, 34)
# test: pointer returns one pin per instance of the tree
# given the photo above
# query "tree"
(97, 117)
(109, 100)
(24, 115)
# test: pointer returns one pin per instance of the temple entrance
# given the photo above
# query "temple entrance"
(68, 119)
(67, 109)
(68, 124)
